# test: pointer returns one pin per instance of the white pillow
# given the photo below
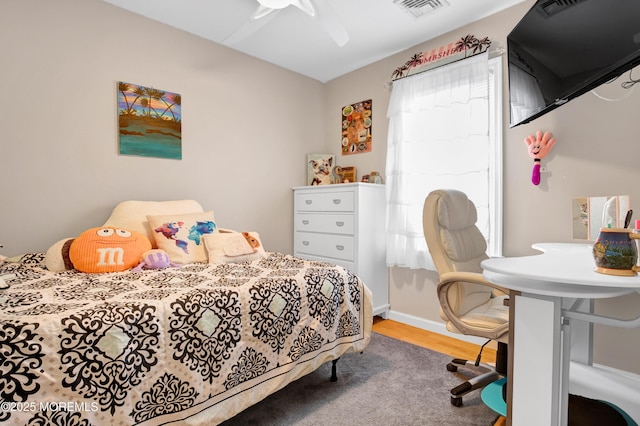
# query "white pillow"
(234, 247)
(57, 257)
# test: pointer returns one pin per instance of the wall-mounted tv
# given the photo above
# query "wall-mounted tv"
(564, 48)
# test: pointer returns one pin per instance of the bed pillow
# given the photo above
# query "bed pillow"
(107, 249)
(180, 235)
(57, 257)
(133, 214)
(234, 247)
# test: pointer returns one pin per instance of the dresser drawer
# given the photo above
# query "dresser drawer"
(334, 246)
(342, 201)
(325, 223)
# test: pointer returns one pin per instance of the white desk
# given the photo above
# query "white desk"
(552, 325)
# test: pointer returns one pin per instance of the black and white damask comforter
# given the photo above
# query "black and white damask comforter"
(192, 345)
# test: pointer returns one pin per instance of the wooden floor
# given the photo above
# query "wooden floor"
(434, 341)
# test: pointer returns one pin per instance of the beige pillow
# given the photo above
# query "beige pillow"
(234, 247)
(132, 215)
(180, 235)
(57, 257)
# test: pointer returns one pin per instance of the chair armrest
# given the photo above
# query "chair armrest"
(449, 278)
(467, 277)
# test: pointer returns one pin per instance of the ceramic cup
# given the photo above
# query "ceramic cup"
(615, 252)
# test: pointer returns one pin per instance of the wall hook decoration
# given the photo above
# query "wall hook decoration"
(538, 146)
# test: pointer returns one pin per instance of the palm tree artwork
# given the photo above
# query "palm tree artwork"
(473, 44)
(150, 122)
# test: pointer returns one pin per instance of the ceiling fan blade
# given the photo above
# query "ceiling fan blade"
(330, 22)
(262, 11)
(258, 19)
(305, 6)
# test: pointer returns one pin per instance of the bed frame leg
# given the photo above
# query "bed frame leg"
(334, 375)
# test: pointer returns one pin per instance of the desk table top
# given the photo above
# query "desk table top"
(562, 270)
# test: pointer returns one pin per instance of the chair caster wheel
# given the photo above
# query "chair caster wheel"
(451, 367)
(456, 402)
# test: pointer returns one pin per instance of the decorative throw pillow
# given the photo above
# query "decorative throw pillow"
(180, 235)
(234, 247)
(132, 215)
(107, 249)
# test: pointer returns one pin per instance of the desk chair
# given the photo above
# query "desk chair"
(469, 304)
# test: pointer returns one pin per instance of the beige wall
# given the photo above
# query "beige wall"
(597, 153)
(247, 125)
(247, 128)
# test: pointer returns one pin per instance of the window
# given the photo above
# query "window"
(445, 131)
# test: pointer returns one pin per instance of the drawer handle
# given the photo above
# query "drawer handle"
(305, 243)
(340, 247)
(340, 224)
(305, 222)
(337, 201)
(308, 201)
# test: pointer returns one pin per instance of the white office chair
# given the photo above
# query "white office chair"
(469, 304)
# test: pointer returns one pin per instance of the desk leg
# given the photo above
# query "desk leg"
(512, 321)
(581, 331)
(537, 367)
(564, 387)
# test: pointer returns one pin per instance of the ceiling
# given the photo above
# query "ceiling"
(296, 41)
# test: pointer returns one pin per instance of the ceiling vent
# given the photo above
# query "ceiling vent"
(418, 8)
(551, 7)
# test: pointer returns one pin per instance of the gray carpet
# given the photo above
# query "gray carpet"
(391, 383)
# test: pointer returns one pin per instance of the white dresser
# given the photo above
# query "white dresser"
(344, 224)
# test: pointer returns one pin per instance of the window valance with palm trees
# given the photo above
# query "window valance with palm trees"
(465, 47)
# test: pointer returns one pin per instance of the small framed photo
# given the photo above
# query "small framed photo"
(345, 174)
(319, 168)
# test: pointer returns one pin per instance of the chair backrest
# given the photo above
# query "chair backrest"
(456, 244)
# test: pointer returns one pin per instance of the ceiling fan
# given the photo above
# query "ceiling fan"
(268, 9)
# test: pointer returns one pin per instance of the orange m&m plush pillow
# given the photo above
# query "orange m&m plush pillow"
(107, 249)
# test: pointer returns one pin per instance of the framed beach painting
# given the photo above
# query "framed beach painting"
(149, 122)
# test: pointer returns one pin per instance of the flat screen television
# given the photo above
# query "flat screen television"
(564, 48)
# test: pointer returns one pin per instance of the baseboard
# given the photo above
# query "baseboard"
(432, 326)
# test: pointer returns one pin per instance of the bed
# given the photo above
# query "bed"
(193, 344)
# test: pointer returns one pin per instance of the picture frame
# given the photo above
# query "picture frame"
(357, 128)
(149, 122)
(319, 168)
(345, 174)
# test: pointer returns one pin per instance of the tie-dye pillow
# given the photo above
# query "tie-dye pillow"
(180, 235)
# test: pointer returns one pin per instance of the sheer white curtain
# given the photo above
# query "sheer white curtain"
(438, 138)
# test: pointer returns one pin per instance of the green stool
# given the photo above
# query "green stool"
(492, 396)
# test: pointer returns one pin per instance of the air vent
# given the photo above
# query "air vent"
(418, 8)
(551, 7)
